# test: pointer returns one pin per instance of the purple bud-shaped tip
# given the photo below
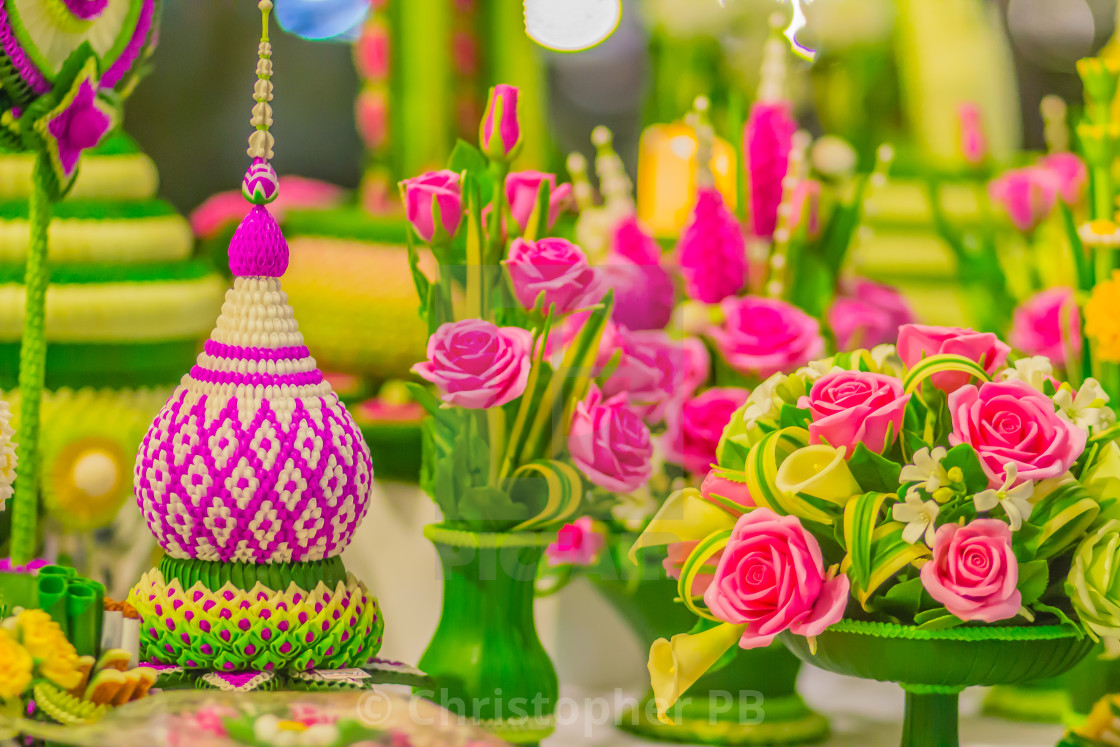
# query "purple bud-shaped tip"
(258, 248)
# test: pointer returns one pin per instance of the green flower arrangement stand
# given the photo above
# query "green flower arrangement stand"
(934, 666)
(748, 698)
(1088, 682)
(485, 657)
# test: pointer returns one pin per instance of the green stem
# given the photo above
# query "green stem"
(1102, 193)
(930, 720)
(32, 371)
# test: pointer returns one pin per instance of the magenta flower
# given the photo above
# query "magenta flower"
(771, 578)
(918, 341)
(643, 289)
(853, 407)
(500, 132)
(767, 141)
(1027, 195)
(521, 193)
(762, 336)
(477, 365)
(974, 145)
(1011, 422)
(868, 314)
(77, 125)
(974, 572)
(558, 269)
(712, 252)
(434, 205)
(650, 372)
(696, 366)
(715, 487)
(693, 428)
(1070, 175)
(576, 543)
(609, 443)
(1047, 324)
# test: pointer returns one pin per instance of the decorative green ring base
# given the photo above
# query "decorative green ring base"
(785, 721)
(1039, 705)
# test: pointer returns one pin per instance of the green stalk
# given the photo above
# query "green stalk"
(32, 371)
(420, 108)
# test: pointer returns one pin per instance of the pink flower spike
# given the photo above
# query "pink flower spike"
(500, 131)
(712, 251)
(1027, 195)
(767, 141)
(577, 543)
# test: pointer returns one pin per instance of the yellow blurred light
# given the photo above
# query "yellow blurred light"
(667, 176)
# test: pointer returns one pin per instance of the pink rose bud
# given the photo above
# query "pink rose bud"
(1047, 324)
(1011, 422)
(767, 142)
(576, 544)
(720, 490)
(610, 444)
(918, 341)
(853, 407)
(1027, 195)
(650, 372)
(694, 427)
(974, 572)
(762, 336)
(500, 132)
(676, 555)
(805, 208)
(434, 205)
(477, 365)
(712, 251)
(643, 290)
(771, 578)
(521, 193)
(1070, 175)
(974, 145)
(867, 314)
(558, 269)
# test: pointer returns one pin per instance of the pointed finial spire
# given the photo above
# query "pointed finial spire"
(772, 74)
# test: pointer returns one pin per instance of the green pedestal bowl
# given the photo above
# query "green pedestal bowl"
(933, 666)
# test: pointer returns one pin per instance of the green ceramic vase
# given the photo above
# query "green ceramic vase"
(933, 666)
(750, 699)
(485, 657)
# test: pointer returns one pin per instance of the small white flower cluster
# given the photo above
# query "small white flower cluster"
(1087, 407)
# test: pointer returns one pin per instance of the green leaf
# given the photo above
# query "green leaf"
(794, 417)
(1025, 542)
(1057, 612)
(938, 620)
(903, 600)
(872, 471)
(490, 508)
(419, 279)
(1064, 511)
(1033, 578)
(466, 157)
(537, 225)
(965, 457)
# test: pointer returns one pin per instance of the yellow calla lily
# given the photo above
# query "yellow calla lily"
(820, 472)
(685, 516)
(674, 665)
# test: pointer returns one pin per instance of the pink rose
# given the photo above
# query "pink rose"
(1027, 195)
(1011, 422)
(918, 341)
(650, 372)
(973, 571)
(643, 290)
(434, 204)
(499, 135)
(576, 544)
(867, 314)
(715, 487)
(609, 443)
(521, 193)
(558, 269)
(763, 336)
(1046, 324)
(477, 365)
(771, 578)
(1069, 173)
(694, 427)
(852, 407)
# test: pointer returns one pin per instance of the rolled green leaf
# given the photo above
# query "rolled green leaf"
(52, 598)
(84, 611)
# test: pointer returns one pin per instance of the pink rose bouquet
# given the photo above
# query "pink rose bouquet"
(520, 342)
(940, 486)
